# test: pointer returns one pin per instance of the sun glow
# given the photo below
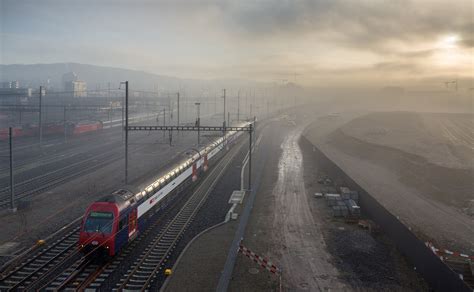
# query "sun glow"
(448, 42)
(448, 52)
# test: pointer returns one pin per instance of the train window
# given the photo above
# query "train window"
(99, 222)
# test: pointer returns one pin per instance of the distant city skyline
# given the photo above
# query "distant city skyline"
(308, 42)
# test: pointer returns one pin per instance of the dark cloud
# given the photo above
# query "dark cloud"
(469, 43)
(354, 23)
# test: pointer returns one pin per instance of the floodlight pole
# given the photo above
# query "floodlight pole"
(12, 186)
(64, 124)
(40, 123)
(177, 124)
(250, 157)
(198, 122)
(126, 131)
(238, 105)
(224, 123)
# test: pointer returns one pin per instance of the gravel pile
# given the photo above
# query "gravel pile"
(364, 261)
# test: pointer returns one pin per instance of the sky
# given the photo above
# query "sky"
(331, 42)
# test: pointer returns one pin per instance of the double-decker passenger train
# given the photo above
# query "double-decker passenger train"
(118, 218)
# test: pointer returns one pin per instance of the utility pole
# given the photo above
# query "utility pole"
(126, 132)
(64, 123)
(250, 158)
(109, 99)
(238, 105)
(224, 124)
(164, 120)
(12, 186)
(246, 102)
(123, 114)
(170, 108)
(198, 121)
(224, 106)
(40, 115)
(178, 110)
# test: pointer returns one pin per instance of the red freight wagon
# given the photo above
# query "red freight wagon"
(17, 132)
(81, 128)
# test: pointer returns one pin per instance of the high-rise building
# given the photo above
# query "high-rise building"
(73, 85)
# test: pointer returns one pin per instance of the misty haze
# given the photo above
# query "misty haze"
(270, 145)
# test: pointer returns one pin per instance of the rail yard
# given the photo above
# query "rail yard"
(244, 145)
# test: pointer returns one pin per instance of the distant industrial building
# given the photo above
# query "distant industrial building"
(73, 85)
(10, 84)
(12, 96)
(76, 88)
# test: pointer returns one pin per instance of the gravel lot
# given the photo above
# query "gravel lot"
(430, 198)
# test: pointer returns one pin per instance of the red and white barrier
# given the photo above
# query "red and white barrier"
(440, 252)
(263, 262)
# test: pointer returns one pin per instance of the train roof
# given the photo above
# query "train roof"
(121, 197)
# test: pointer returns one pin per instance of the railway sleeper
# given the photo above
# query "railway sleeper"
(147, 267)
(156, 253)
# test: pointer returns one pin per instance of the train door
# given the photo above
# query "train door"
(132, 224)
(194, 175)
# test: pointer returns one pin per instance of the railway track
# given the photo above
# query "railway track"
(20, 275)
(28, 161)
(59, 176)
(151, 261)
(27, 152)
(90, 275)
(54, 178)
(77, 276)
(59, 265)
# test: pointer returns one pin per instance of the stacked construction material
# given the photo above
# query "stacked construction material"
(354, 209)
(332, 199)
(347, 194)
(344, 204)
(340, 211)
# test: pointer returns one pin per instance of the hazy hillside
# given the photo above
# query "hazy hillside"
(34, 75)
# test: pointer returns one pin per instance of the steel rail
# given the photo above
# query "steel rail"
(159, 249)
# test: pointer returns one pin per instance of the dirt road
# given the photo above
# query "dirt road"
(304, 258)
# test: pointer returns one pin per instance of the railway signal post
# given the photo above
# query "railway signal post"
(40, 123)
(126, 130)
(177, 123)
(12, 186)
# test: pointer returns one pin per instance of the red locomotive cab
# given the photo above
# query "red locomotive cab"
(98, 229)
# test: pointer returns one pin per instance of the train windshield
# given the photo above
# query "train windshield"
(99, 222)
